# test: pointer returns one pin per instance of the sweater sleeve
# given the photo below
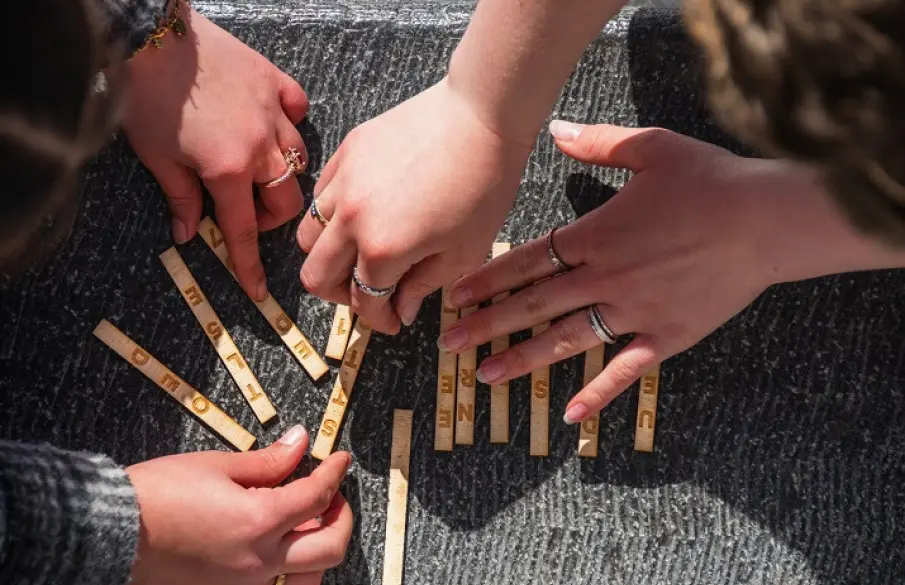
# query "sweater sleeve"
(131, 21)
(66, 518)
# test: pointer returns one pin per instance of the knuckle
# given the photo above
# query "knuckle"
(249, 564)
(270, 461)
(479, 284)
(481, 326)
(349, 211)
(335, 552)
(516, 360)
(258, 138)
(624, 372)
(229, 166)
(286, 208)
(243, 236)
(378, 249)
(523, 261)
(650, 142)
(566, 339)
(322, 498)
(535, 301)
(183, 198)
(258, 518)
(312, 279)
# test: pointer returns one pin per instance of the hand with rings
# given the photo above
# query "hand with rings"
(206, 109)
(674, 255)
(405, 207)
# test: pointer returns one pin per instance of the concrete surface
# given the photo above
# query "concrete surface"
(779, 448)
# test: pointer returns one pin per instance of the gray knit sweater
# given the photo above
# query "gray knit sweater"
(72, 518)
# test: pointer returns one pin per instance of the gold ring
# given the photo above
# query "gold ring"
(316, 214)
(294, 166)
(281, 580)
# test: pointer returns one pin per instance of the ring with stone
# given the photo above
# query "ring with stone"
(370, 290)
(605, 334)
(294, 166)
(558, 263)
(316, 214)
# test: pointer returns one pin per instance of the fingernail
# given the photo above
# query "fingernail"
(261, 290)
(180, 231)
(453, 340)
(491, 370)
(575, 414)
(294, 436)
(460, 296)
(409, 312)
(565, 131)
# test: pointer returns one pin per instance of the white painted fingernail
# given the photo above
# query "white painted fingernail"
(575, 414)
(565, 131)
(293, 436)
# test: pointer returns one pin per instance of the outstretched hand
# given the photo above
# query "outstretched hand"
(674, 255)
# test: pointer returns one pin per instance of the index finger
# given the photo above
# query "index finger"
(309, 497)
(519, 267)
(236, 215)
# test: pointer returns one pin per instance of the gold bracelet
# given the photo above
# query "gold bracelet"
(174, 22)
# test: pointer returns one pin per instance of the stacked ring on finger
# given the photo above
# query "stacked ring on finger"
(317, 214)
(605, 334)
(369, 290)
(294, 166)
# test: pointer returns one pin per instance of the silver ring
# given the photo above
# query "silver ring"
(317, 214)
(558, 263)
(605, 334)
(368, 290)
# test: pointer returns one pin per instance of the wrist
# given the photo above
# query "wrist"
(522, 136)
(804, 235)
(167, 42)
(139, 564)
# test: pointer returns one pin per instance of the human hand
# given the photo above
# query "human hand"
(675, 254)
(414, 197)
(216, 518)
(206, 105)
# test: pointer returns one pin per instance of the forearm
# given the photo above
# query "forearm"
(517, 54)
(808, 236)
(65, 518)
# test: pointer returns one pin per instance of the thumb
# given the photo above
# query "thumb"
(419, 282)
(269, 466)
(616, 146)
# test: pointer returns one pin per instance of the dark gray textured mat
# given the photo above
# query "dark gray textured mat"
(779, 444)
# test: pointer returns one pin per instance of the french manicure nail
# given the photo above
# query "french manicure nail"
(491, 370)
(453, 340)
(293, 436)
(565, 131)
(409, 312)
(180, 231)
(575, 414)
